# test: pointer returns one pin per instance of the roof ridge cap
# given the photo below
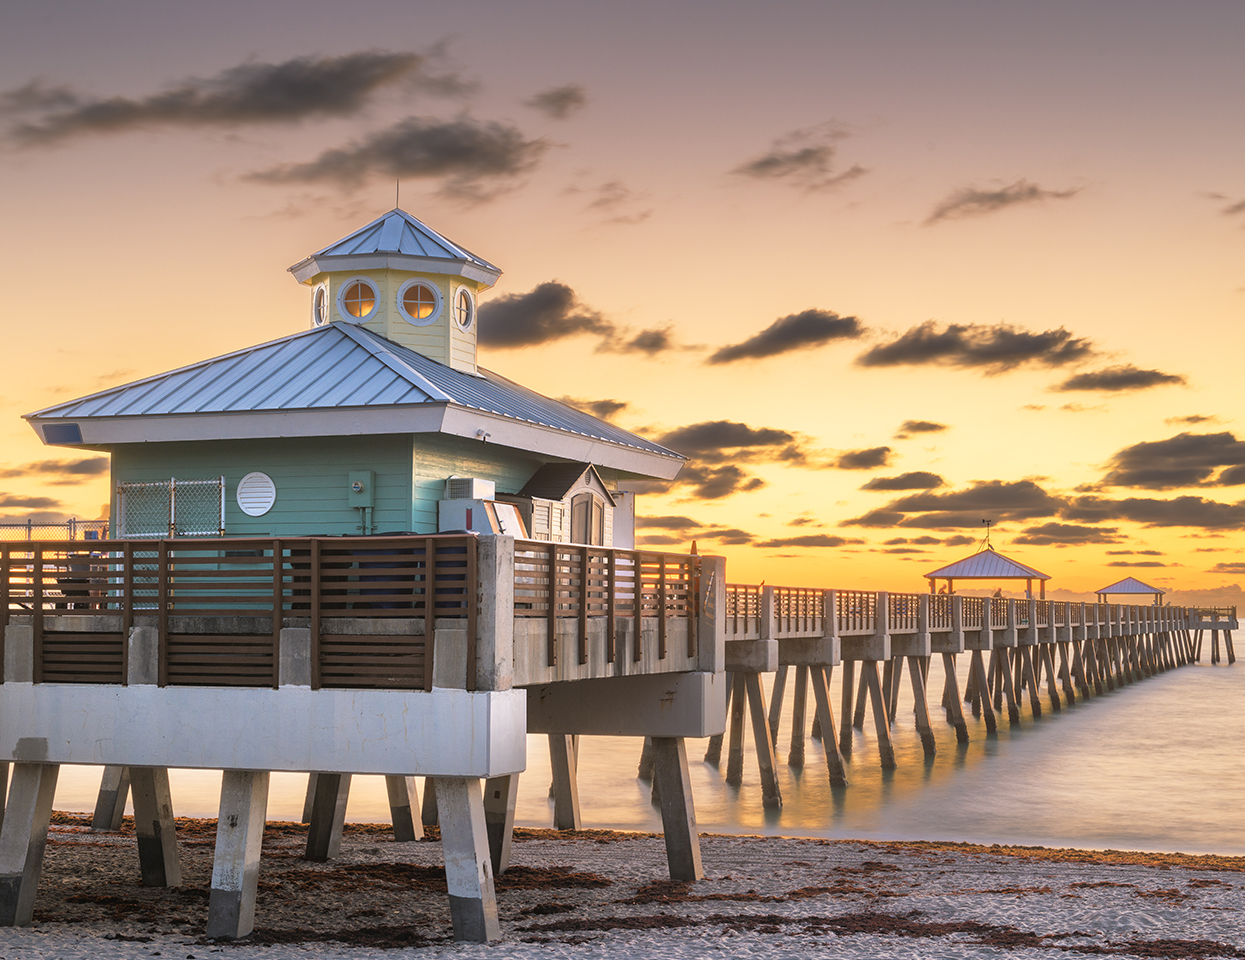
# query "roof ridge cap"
(395, 362)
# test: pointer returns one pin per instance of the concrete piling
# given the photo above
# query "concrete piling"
(114, 788)
(500, 794)
(468, 863)
(235, 867)
(404, 808)
(158, 858)
(328, 816)
(23, 838)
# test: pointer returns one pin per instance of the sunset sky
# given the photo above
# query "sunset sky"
(881, 269)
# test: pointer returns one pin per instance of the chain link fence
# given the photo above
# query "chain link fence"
(68, 530)
(152, 510)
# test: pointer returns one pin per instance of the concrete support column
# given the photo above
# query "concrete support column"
(468, 866)
(404, 809)
(494, 666)
(500, 794)
(153, 822)
(563, 760)
(114, 787)
(235, 868)
(428, 810)
(678, 813)
(22, 839)
(328, 816)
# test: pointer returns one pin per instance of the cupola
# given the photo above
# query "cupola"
(401, 279)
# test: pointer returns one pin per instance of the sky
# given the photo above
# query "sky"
(882, 270)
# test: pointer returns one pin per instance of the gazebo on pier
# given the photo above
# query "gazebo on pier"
(988, 564)
(1130, 586)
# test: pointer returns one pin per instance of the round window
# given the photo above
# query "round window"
(320, 306)
(419, 302)
(256, 494)
(357, 299)
(464, 308)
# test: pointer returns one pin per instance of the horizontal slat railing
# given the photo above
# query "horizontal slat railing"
(743, 611)
(558, 581)
(219, 605)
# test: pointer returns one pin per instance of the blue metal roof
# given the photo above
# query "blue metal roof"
(334, 366)
(400, 233)
(987, 564)
(1130, 585)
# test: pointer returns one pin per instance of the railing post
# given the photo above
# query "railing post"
(551, 618)
(162, 610)
(830, 612)
(584, 564)
(36, 590)
(278, 608)
(315, 622)
(882, 615)
(711, 625)
(768, 627)
(922, 615)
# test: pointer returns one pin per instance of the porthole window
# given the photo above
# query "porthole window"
(256, 494)
(320, 306)
(356, 299)
(419, 302)
(464, 307)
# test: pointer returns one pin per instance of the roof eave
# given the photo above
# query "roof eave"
(313, 266)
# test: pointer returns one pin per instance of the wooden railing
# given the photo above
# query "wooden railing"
(219, 605)
(563, 580)
(743, 611)
(857, 612)
(799, 611)
(901, 612)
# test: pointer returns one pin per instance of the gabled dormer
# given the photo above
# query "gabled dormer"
(401, 279)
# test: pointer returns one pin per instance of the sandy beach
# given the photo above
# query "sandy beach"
(604, 894)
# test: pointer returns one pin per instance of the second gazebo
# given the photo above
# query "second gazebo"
(988, 564)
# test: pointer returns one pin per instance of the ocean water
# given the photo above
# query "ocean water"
(1157, 765)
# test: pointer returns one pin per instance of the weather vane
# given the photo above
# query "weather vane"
(985, 544)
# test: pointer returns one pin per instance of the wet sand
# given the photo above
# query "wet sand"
(605, 894)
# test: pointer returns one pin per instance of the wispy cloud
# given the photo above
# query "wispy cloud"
(1119, 378)
(804, 159)
(867, 459)
(796, 331)
(559, 103)
(475, 160)
(992, 349)
(252, 93)
(910, 427)
(976, 202)
(915, 480)
(61, 472)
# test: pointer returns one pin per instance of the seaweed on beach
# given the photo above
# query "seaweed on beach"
(409, 876)
(680, 891)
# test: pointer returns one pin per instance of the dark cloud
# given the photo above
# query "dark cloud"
(715, 441)
(61, 472)
(1054, 534)
(914, 480)
(714, 483)
(805, 520)
(972, 202)
(30, 503)
(1139, 563)
(621, 204)
(1120, 378)
(650, 342)
(253, 93)
(903, 550)
(1134, 553)
(1185, 460)
(867, 459)
(910, 427)
(559, 102)
(475, 159)
(992, 500)
(797, 331)
(1234, 208)
(993, 349)
(668, 523)
(952, 541)
(661, 540)
(1233, 567)
(603, 409)
(1177, 512)
(548, 312)
(810, 540)
(1192, 420)
(731, 536)
(804, 159)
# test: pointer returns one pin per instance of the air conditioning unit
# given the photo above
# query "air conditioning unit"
(469, 488)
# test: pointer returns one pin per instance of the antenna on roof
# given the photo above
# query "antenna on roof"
(397, 193)
(985, 543)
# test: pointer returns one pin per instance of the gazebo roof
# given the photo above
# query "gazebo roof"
(1130, 585)
(987, 564)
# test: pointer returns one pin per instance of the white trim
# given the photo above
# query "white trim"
(437, 305)
(313, 267)
(458, 292)
(341, 303)
(320, 290)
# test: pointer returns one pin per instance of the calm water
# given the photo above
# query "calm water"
(1159, 765)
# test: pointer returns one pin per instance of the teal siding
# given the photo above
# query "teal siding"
(437, 457)
(310, 475)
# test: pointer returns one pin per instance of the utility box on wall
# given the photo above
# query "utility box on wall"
(361, 488)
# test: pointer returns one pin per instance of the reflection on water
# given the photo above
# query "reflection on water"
(1156, 766)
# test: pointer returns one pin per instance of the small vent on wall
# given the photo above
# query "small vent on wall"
(256, 494)
(469, 488)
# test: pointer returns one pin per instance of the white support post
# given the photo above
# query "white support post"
(500, 794)
(235, 868)
(114, 787)
(468, 867)
(328, 816)
(562, 759)
(157, 832)
(22, 839)
(404, 809)
(678, 813)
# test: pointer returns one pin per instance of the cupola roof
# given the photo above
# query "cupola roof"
(397, 241)
(987, 564)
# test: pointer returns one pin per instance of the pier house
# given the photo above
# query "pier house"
(351, 550)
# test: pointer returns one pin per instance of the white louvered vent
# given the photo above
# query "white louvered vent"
(256, 494)
(470, 488)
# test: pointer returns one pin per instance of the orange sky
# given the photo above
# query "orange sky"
(1056, 189)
